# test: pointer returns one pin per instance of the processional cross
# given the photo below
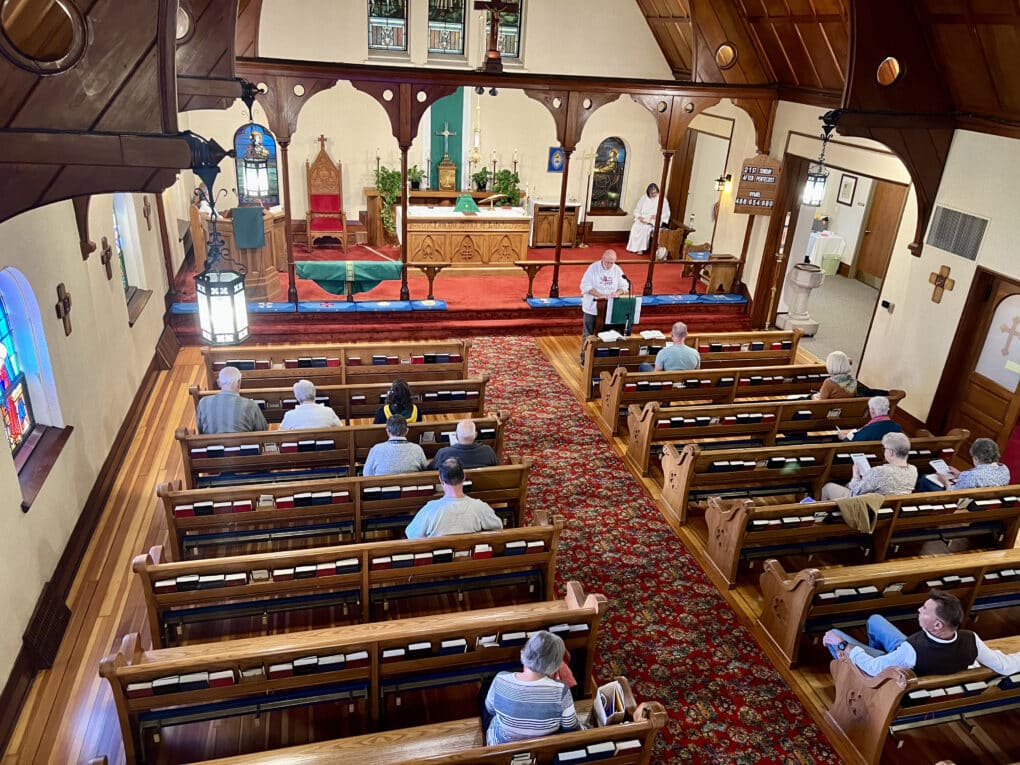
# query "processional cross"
(446, 133)
(64, 307)
(493, 59)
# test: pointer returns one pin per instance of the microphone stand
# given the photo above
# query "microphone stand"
(630, 311)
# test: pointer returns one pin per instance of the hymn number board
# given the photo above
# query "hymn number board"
(756, 192)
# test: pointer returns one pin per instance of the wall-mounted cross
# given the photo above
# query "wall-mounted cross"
(64, 307)
(446, 133)
(147, 212)
(1011, 333)
(942, 283)
(106, 258)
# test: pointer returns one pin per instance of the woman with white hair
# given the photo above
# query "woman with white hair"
(841, 382)
(896, 476)
(309, 413)
(533, 702)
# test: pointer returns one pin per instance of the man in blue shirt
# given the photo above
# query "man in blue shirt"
(879, 424)
(676, 357)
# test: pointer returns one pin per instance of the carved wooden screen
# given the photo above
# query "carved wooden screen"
(607, 184)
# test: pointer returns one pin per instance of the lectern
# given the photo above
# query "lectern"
(262, 282)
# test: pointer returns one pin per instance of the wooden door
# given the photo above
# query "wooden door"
(878, 234)
(978, 389)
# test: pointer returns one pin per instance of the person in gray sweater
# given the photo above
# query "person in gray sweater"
(396, 454)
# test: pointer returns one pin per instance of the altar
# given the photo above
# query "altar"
(492, 236)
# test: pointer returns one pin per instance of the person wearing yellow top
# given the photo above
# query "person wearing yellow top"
(398, 401)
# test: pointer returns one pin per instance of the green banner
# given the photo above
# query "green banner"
(447, 114)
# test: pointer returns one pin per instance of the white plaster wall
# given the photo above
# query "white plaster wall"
(96, 371)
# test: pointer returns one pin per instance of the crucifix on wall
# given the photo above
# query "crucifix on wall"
(64, 307)
(941, 282)
(493, 58)
(106, 258)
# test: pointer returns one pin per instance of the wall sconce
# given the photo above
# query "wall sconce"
(814, 187)
(724, 183)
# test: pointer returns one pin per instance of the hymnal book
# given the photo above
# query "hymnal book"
(358, 398)
(163, 685)
(325, 569)
(518, 547)
(204, 508)
(442, 358)
(419, 650)
(325, 445)
(427, 437)
(610, 336)
(512, 638)
(382, 563)
(391, 360)
(482, 551)
(331, 663)
(601, 750)
(371, 493)
(303, 499)
(165, 585)
(522, 758)
(208, 581)
(322, 497)
(283, 574)
(423, 559)
(232, 451)
(417, 359)
(917, 697)
(454, 358)
(378, 360)
(306, 665)
(445, 555)
(222, 678)
(487, 641)
(560, 629)
(628, 746)
(579, 627)
(570, 757)
(356, 659)
(222, 508)
(354, 361)
(260, 575)
(339, 497)
(242, 365)
(403, 560)
(430, 358)
(242, 506)
(348, 565)
(284, 503)
(393, 654)
(249, 450)
(455, 645)
(389, 492)
(187, 582)
(285, 669)
(304, 572)
(893, 589)
(975, 687)
(304, 362)
(318, 362)
(306, 446)
(868, 591)
(290, 447)
(252, 673)
(184, 511)
(652, 334)
(194, 681)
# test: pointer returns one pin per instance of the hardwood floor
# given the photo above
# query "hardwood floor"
(69, 715)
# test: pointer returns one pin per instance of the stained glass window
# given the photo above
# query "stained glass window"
(607, 184)
(387, 25)
(118, 242)
(446, 26)
(17, 411)
(255, 158)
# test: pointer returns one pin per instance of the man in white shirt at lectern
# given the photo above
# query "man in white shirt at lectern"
(602, 279)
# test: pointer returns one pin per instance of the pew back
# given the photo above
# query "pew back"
(283, 455)
(278, 366)
(371, 573)
(359, 401)
(706, 386)
(812, 600)
(740, 530)
(222, 677)
(717, 349)
(692, 473)
(277, 516)
(768, 423)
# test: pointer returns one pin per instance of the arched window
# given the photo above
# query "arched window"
(255, 157)
(607, 184)
(17, 410)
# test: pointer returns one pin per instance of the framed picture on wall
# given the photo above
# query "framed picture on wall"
(557, 159)
(847, 189)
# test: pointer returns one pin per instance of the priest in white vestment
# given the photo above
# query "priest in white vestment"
(644, 219)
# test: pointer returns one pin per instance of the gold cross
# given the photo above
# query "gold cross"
(942, 283)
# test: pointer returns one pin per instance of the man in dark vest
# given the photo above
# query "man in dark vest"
(940, 647)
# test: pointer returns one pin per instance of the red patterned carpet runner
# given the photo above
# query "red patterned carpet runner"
(668, 629)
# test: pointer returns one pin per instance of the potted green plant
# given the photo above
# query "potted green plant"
(481, 179)
(507, 182)
(415, 176)
(388, 184)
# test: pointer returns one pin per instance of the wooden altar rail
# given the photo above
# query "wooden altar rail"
(339, 451)
(717, 349)
(866, 709)
(463, 742)
(335, 362)
(692, 474)
(532, 267)
(707, 386)
(310, 579)
(253, 679)
(737, 529)
(813, 600)
(330, 511)
(763, 423)
(359, 401)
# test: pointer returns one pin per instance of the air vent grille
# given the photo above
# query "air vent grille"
(957, 232)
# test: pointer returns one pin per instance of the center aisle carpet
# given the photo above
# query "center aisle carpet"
(667, 629)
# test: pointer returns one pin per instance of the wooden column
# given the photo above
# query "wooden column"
(288, 228)
(168, 264)
(667, 157)
(554, 289)
(405, 294)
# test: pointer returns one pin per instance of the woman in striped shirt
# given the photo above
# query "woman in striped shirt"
(533, 702)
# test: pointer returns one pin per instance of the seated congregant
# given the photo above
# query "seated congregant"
(876, 427)
(987, 470)
(841, 382)
(896, 476)
(644, 219)
(398, 401)
(676, 357)
(308, 413)
(532, 702)
(940, 647)
(228, 411)
(454, 512)
(470, 454)
(396, 454)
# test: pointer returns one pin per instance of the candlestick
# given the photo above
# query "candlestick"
(515, 165)
(494, 155)
(515, 156)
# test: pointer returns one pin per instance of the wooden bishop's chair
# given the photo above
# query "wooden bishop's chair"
(325, 215)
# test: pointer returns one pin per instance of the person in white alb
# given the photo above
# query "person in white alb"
(309, 414)
(644, 219)
(602, 279)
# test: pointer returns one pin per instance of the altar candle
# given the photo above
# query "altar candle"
(515, 155)
(493, 155)
(377, 155)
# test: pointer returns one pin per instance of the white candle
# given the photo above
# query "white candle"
(377, 155)
(493, 155)
(515, 155)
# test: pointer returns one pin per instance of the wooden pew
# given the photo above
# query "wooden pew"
(693, 474)
(252, 673)
(349, 510)
(360, 401)
(717, 349)
(814, 600)
(338, 451)
(740, 530)
(311, 579)
(269, 366)
(706, 386)
(463, 742)
(767, 423)
(866, 709)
